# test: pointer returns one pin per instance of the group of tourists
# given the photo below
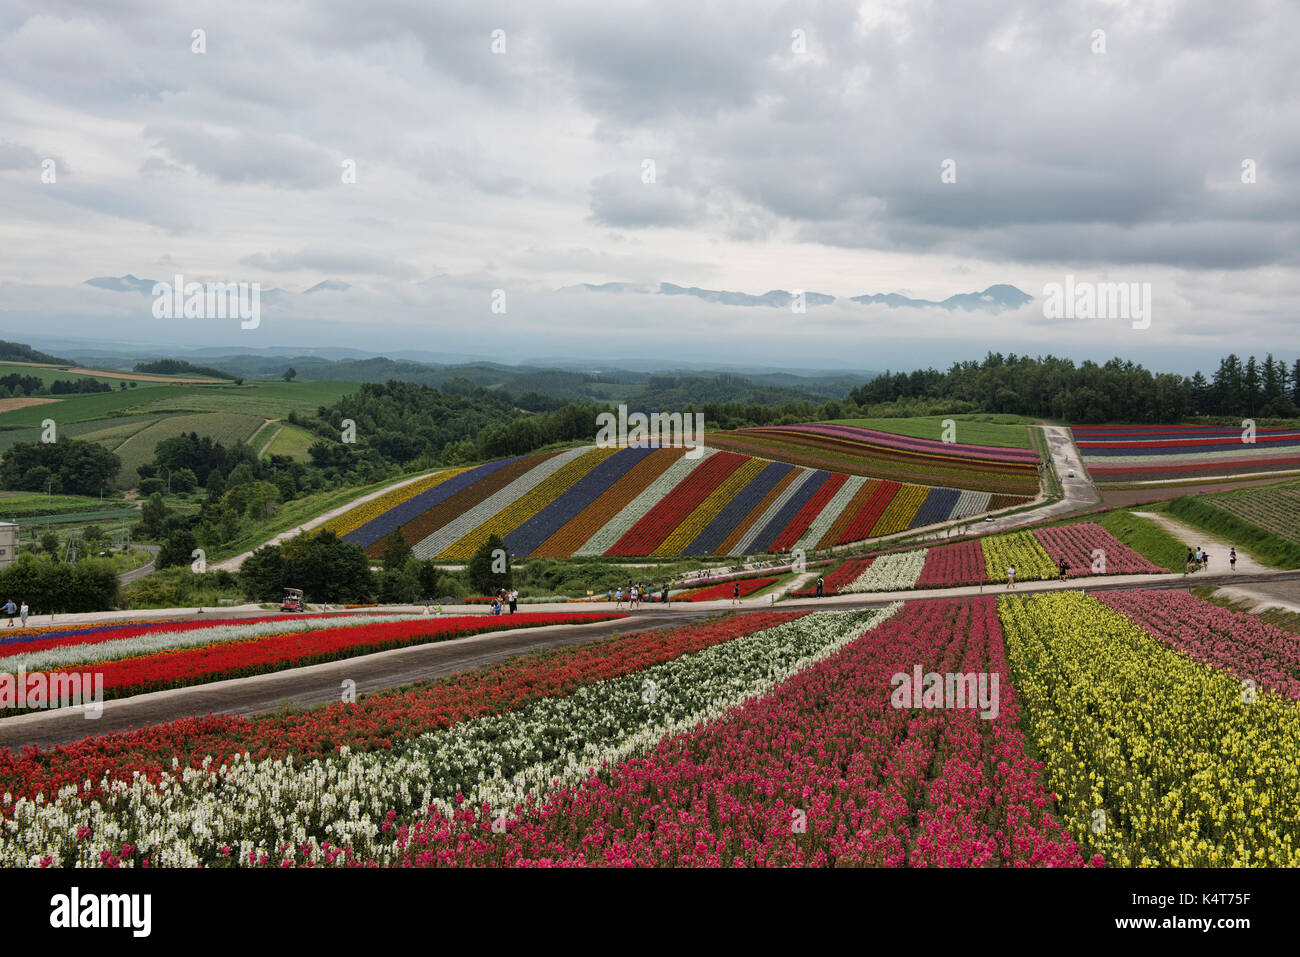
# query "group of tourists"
(1199, 560)
(637, 592)
(11, 609)
(505, 599)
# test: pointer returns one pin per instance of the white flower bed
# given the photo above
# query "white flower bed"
(822, 523)
(435, 542)
(635, 510)
(62, 656)
(258, 807)
(896, 571)
(970, 503)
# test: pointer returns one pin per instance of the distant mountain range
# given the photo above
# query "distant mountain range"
(995, 298)
(129, 283)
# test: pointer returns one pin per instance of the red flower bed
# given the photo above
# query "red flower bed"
(961, 563)
(93, 634)
(373, 722)
(722, 591)
(811, 509)
(870, 513)
(1084, 545)
(234, 659)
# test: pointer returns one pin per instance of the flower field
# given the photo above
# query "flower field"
(1120, 731)
(888, 456)
(1020, 550)
(642, 501)
(724, 590)
(1139, 453)
(162, 658)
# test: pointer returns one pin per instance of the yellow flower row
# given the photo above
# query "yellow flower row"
(900, 511)
(1158, 760)
(1019, 549)
(527, 505)
(353, 519)
(706, 511)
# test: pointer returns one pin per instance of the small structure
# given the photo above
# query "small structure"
(8, 543)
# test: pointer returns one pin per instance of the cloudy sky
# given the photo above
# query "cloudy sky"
(794, 146)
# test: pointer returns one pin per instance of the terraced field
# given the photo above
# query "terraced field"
(1120, 454)
(650, 502)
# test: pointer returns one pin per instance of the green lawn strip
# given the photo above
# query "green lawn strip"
(995, 429)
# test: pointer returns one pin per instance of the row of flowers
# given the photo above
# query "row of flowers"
(1088, 549)
(1159, 760)
(529, 504)
(31, 639)
(731, 517)
(1275, 510)
(1240, 644)
(257, 810)
(434, 544)
(826, 520)
(354, 518)
(897, 571)
(762, 525)
(802, 516)
(702, 516)
(1018, 550)
(618, 525)
(724, 590)
(277, 651)
(821, 771)
(672, 509)
(381, 523)
(869, 512)
(374, 722)
(171, 637)
(961, 563)
(769, 531)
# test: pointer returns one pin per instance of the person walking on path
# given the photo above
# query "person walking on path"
(1191, 561)
(821, 584)
(1232, 559)
(735, 594)
(618, 599)
(1065, 568)
(23, 612)
(514, 600)
(664, 597)
(9, 610)
(1011, 576)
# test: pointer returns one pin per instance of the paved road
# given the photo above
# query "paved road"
(136, 573)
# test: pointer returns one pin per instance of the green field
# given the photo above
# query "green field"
(268, 400)
(19, 505)
(283, 439)
(228, 428)
(1001, 431)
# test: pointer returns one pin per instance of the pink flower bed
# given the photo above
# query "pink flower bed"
(822, 771)
(1239, 644)
(961, 563)
(1076, 543)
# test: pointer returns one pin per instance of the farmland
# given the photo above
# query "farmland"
(659, 502)
(1116, 455)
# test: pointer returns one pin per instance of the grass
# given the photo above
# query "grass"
(1262, 545)
(267, 400)
(283, 439)
(98, 405)
(1145, 537)
(48, 374)
(225, 427)
(15, 505)
(1001, 431)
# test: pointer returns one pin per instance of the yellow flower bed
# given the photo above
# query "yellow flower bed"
(527, 505)
(900, 511)
(1020, 549)
(1159, 761)
(707, 510)
(352, 520)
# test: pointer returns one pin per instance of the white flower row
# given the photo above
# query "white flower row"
(896, 571)
(822, 523)
(62, 656)
(743, 546)
(635, 510)
(970, 503)
(467, 521)
(258, 807)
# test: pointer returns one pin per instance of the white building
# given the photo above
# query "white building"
(8, 543)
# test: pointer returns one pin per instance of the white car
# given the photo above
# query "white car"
(1070, 474)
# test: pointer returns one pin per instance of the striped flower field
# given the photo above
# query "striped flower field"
(767, 739)
(652, 502)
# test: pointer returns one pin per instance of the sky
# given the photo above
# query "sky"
(505, 151)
